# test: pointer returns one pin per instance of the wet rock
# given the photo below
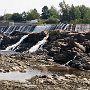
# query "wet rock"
(44, 76)
(69, 76)
(16, 33)
(6, 70)
(86, 81)
(1, 70)
(22, 71)
(61, 46)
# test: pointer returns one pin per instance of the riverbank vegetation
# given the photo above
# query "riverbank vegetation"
(65, 14)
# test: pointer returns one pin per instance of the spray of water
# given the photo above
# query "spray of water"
(12, 47)
(39, 44)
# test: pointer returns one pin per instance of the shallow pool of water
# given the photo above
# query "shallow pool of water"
(22, 76)
(4, 52)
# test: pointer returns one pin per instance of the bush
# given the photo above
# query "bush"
(51, 20)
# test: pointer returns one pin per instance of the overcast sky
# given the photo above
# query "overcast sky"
(11, 6)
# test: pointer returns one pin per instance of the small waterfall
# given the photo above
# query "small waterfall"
(39, 44)
(66, 27)
(9, 30)
(23, 28)
(28, 28)
(58, 26)
(82, 27)
(3, 29)
(13, 47)
(19, 29)
(39, 29)
(62, 26)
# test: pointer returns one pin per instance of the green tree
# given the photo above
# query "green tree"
(77, 13)
(7, 16)
(86, 18)
(45, 13)
(64, 10)
(53, 12)
(24, 16)
(83, 11)
(33, 14)
(52, 20)
(16, 17)
(72, 13)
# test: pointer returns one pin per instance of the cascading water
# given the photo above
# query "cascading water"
(28, 28)
(39, 44)
(3, 29)
(13, 47)
(9, 30)
(66, 27)
(39, 29)
(19, 29)
(58, 27)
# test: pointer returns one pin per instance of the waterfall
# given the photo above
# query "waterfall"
(3, 29)
(9, 30)
(41, 28)
(12, 47)
(66, 27)
(39, 44)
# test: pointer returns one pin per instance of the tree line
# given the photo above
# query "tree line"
(74, 14)
(66, 14)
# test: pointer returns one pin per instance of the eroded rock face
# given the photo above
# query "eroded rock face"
(70, 48)
(8, 40)
(28, 42)
(66, 48)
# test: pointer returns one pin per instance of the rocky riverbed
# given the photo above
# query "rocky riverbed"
(62, 64)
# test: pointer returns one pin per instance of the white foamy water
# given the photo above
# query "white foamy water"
(38, 45)
(66, 27)
(12, 47)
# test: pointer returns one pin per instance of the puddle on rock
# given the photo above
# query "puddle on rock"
(18, 76)
(4, 52)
